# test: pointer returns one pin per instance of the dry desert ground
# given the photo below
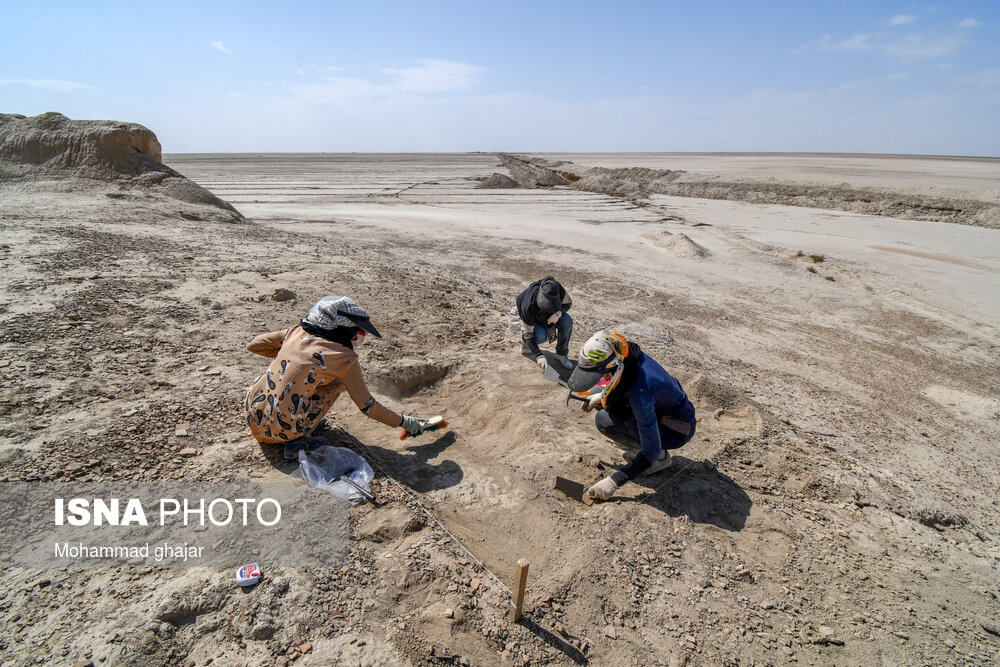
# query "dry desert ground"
(838, 504)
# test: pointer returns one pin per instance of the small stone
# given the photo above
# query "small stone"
(610, 632)
(188, 452)
(305, 648)
(475, 583)
(449, 613)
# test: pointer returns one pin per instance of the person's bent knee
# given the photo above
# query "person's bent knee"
(604, 423)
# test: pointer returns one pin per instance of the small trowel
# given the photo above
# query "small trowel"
(551, 373)
(574, 490)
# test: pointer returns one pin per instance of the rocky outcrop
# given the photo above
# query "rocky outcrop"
(53, 143)
(37, 151)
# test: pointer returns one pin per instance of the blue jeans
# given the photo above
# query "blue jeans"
(564, 329)
(627, 433)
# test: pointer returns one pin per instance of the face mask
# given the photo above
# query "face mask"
(358, 339)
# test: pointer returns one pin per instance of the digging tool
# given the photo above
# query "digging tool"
(551, 373)
(576, 397)
(432, 424)
(369, 496)
(574, 490)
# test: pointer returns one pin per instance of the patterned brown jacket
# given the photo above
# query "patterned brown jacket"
(302, 382)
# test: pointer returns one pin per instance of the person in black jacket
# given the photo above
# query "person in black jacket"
(543, 318)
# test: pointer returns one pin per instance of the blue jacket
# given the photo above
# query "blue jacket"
(655, 393)
(645, 394)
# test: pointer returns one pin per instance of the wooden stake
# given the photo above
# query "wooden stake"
(520, 580)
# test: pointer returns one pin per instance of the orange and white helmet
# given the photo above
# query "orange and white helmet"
(603, 353)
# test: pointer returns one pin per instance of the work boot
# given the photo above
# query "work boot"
(661, 463)
(529, 348)
(566, 363)
(293, 448)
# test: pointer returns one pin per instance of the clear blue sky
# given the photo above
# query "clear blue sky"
(797, 75)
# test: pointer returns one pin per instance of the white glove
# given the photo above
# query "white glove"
(413, 425)
(593, 402)
(541, 361)
(554, 317)
(603, 489)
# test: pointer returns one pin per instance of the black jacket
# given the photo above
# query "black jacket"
(527, 303)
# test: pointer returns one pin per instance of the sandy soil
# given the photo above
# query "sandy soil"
(837, 505)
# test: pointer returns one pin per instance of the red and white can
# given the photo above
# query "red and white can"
(248, 575)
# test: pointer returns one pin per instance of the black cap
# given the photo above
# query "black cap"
(362, 321)
(548, 299)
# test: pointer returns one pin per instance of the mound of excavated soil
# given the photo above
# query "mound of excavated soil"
(53, 152)
(528, 175)
(630, 183)
(498, 181)
(641, 182)
(679, 245)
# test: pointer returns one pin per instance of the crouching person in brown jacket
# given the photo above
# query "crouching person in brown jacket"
(312, 362)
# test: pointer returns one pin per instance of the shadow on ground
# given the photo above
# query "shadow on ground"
(703, 494)
(410, 466)
(555, 641)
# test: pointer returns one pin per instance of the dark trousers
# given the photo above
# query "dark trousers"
(627, 433)
(564, 329)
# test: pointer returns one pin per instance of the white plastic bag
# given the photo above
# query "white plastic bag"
(322, 467)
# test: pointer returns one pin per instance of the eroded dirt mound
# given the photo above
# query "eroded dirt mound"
(528, 175)
(53, 152)
(96, 148)
(498, 181)
(630, 182)
(640, 182)
(680, 245)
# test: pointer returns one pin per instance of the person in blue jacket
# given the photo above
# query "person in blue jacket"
(643, 408)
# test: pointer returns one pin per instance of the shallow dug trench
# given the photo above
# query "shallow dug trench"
(410, 379)
(489, 477)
